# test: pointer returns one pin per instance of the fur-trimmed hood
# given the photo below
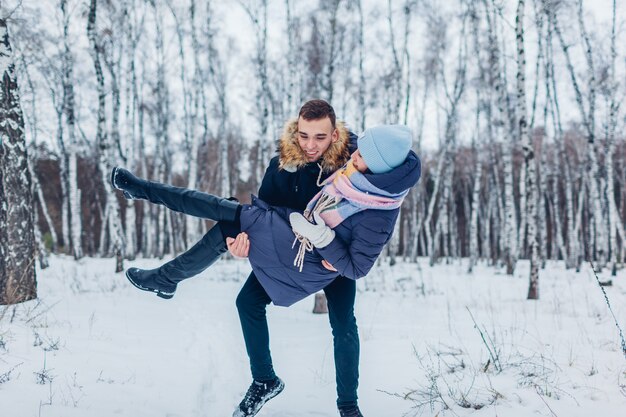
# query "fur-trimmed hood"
(292, 157)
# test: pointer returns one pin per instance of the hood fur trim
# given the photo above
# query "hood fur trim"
(292, 157)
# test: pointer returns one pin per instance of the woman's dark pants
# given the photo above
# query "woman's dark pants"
(199, 204)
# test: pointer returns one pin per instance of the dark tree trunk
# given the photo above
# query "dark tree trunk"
(17, 238)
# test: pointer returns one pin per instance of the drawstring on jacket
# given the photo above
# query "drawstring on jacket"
(319, 176)
(325, 201)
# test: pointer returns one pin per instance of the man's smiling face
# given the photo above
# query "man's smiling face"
(315, 137)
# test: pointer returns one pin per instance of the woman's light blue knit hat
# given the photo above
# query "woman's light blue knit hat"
(385, 147)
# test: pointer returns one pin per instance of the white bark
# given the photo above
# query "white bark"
(561, 252)
(473, 227)
(361, 112)
(163, 153)
(614, 220)
(75, 212)
(104, 162)
(419, 191)
(509, 242)
(63, 178)
(75, 206)
(573, 245)
(133, 149)
(492, 204)
(523, 208)
(588, 117)
(264, 97)
(293, 85)
(193, 224)
(542, 197)
(219, 82)
(529, 156)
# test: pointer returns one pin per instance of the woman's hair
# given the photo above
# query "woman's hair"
(317, 109)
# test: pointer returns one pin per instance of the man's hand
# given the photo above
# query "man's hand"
(328, 265)
(240, 246)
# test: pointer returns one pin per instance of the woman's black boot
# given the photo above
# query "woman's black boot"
(134, 188)
(163, 280)
(183, 200)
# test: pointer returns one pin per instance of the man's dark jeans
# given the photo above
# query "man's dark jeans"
(251, 304)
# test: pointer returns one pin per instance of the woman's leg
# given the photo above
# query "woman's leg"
(163, 280)
(183, 200)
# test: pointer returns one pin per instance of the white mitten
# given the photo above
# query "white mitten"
(318, 234)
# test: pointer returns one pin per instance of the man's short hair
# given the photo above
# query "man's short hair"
(317, 109)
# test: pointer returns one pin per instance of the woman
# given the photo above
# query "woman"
(354, 214)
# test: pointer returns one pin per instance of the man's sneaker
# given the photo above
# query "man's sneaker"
(350, 412)
(258, 394)
(151, 280)
(131, 186)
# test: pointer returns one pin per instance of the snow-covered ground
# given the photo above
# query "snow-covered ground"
(92, 345)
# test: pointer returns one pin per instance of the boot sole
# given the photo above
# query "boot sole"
(113, 171)
(159, 293)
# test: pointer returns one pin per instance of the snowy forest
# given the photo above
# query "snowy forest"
(515, 110)
(514, 105)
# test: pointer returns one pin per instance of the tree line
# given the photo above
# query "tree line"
(529, 162)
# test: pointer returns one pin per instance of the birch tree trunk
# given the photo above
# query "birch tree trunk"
(573, 244)
(523, 208)
(489, 215)
(480, 85)
(400, 91)
(293, 86)
(509, 242)
(529, 155)
(44, 209)
(37, 192)
(163, 153)
(614, 223)
(219, 81)
(598, 202)
(542, 202)
(418, 193)
(187, 119)
(193, 224)
(578, 227)
(473, 226)
(264, 98)
(361, 113)
(446, 202)
(104, 161)
(561, 252)
(148, 228)
(63, 175)
(332, 8)
(18, 250)
(75, 212)
(588, 119)
(133, 34)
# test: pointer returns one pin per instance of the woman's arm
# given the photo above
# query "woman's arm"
(354, 259)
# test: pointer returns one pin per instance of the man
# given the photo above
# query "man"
(310, 149)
